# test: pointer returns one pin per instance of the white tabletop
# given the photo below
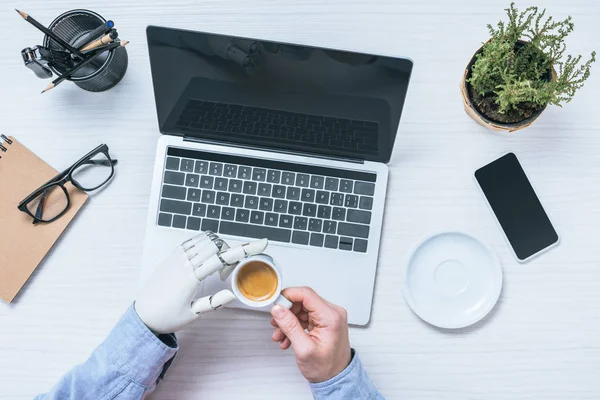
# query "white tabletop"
(542, 341)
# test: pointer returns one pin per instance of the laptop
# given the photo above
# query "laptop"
(262, 139)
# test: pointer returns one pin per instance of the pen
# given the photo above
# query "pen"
(49, 33)
(96, 33)
(82, 64)
(103, 40)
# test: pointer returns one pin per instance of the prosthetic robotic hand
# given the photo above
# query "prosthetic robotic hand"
(167, 304)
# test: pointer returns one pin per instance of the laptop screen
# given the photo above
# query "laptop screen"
(277, 96)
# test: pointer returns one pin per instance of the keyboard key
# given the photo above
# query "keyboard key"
(362, 217)
(255, 231)
(295, 208)
(193, 194)
(337, 199)
(281, 206)
(324, 212)
(206, 182)
(329, 227)
(199, 209)
(288, 178)
(331, 184)
(211, 225)
(286, 221)
(193, 224)
(257, 217)
(346, 186)
(346, 243)
(360, 245)
(308, 195)
(220, 184)
(293, 193)
(300, 223)
(365, 203)
(271, 219)
(300, 237)
(322, 197)
(173, 192)
(302, 180)
(316, 239)
(208, 196)
(317, 182)
(309, 210)
(259, 174)
(366, 188)
(164, 219)
(244, 172)
(251, 202)
(201, 167)
(331, 242)
(174, 178)
(265, 204)
(191, 180)
(250, 187)
(179, 221)
(213, 212)
(176, 207)
(186, 165)
(237, 200)
(235, 186)
(351, 201)
(278, 192)
(172, 164)
(230, 171)
(314, 225)
(354, 230)
(223, 198)
(242, 215)
(339, 214)
(228, 213)
(264, 189)
(273, 176)
(216, 169)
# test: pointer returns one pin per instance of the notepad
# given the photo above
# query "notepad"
(24, 245)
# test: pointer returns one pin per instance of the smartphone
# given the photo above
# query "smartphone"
(516, 207)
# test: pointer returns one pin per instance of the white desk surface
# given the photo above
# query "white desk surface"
(542, 341)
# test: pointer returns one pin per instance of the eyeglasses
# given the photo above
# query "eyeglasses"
(51, 200)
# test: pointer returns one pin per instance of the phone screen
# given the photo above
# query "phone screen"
(516, 206)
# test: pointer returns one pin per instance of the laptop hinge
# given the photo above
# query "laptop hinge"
(290, 152)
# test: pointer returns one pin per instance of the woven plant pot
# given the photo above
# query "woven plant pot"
(480, 117)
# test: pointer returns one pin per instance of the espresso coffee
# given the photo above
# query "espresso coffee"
(257, 281)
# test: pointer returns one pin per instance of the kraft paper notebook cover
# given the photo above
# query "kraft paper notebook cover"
(23, 245)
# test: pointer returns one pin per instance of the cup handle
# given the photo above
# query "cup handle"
(284, 302)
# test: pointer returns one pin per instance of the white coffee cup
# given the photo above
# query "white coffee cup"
(276, 298)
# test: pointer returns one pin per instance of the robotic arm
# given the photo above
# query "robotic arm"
(167, 301)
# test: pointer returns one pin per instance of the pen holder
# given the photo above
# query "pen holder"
(106, 70)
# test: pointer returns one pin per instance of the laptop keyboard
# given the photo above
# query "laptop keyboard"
(285, 127)
(284, 202)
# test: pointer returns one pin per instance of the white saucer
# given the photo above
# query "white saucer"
(452, 280)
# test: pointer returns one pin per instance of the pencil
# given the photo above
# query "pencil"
(82, 64)
(96, 33)
(49, 33)
(103, 40)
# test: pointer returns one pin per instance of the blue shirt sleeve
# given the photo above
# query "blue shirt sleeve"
(351, 383)
(127, 365)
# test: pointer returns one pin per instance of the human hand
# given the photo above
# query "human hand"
(167, 303)
(316, 330)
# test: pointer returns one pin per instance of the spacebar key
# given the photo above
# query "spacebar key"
(253, 231)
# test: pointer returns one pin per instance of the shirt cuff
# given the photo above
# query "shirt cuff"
(137, 352)
(352, 382)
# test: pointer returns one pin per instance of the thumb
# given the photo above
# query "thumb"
(291, 327)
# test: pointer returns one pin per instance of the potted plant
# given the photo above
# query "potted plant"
(519, 71)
